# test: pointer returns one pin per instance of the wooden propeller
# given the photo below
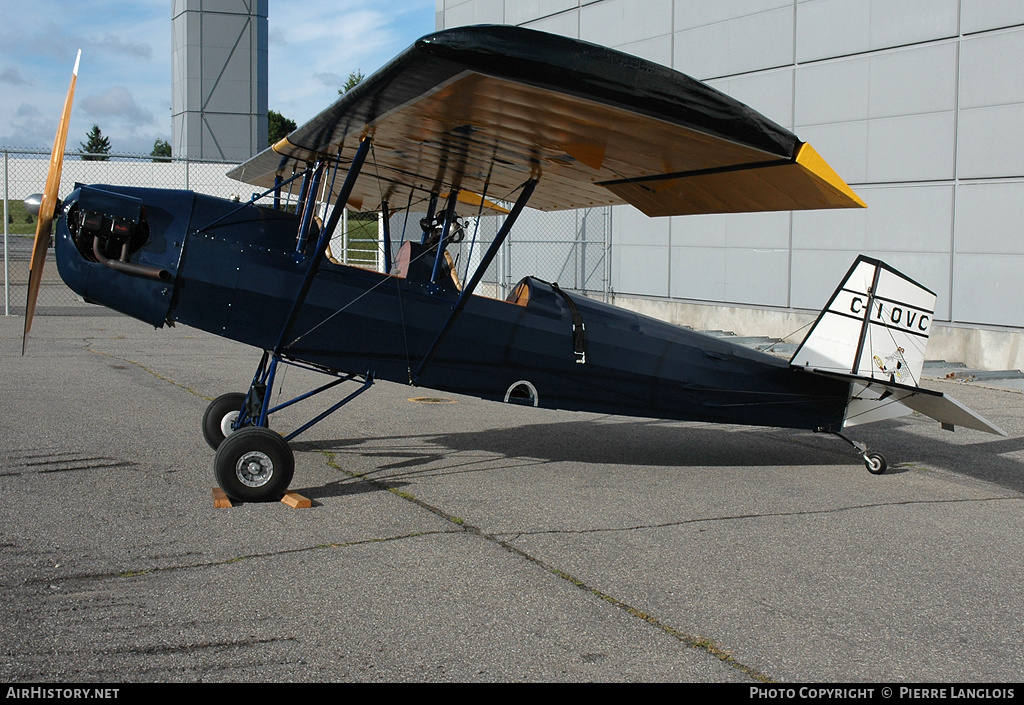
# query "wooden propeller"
(44, 222)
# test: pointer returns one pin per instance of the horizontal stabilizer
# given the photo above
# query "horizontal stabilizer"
(949, 412)
(873, 401)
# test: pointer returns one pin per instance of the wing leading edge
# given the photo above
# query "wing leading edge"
(483, 109)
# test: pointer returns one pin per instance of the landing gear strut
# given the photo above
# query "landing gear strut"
(874, 461)
(253, 463)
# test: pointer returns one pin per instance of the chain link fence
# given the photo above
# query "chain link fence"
(571, 248)
(24, 174)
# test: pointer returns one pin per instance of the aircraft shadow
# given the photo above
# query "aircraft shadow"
(619, 441)
(601, 441)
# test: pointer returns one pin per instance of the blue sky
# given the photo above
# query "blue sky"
(124, 83)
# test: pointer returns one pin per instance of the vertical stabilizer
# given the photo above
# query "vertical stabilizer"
(875, 326)
(873, 334)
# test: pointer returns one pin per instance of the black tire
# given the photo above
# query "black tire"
(254, 464)
(875, 463)
(219, 415)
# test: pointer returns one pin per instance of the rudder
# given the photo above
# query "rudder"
(873, 333)
(875, 326)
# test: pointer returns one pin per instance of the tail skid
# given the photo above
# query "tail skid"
(873, 332)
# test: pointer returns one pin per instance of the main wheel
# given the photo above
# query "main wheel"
(219, 416)
(875, 463)
(254, 464)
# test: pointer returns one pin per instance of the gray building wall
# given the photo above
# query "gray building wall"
(918, 104)
(219, 78)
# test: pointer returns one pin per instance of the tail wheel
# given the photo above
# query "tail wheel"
(254, 464)
(219, 416)
(875, 463)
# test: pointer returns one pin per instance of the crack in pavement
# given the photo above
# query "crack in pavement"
(764, 515)
(227, 561)
(150, 371)
(700, 643)
(697, 642)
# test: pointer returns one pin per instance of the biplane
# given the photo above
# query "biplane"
(463, 121)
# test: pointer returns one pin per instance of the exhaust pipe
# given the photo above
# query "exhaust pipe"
(123, 265)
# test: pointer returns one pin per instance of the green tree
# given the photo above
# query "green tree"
(353, 80)
(161, 151)
(278, 127)
(96, 146)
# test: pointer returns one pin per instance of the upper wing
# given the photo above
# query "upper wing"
(485, 108)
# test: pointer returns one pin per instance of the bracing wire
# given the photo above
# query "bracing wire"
(372, 288)
(874, 409)
(789, 335)
(349, 304)
(919, 348)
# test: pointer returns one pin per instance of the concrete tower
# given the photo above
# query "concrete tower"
(219, 104)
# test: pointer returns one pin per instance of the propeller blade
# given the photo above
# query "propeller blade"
(44, 223)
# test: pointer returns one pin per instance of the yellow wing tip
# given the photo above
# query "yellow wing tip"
(473, 199)
(282, 145)
(810, 160)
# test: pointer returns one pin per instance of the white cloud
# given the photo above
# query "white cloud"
(28, 128)
(330, 79)
(113, 44)
(12, 75)
(315, 43)
(117, 102)
(126, 61)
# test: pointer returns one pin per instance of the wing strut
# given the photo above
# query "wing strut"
(467, 290)
(321, 245)
(386, 222)
(449, 215)
(263, 382)
(307, 203)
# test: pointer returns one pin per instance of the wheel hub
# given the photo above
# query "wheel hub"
(226, 423)
(254, 469)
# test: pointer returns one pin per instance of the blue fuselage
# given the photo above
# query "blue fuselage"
(232, 270)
